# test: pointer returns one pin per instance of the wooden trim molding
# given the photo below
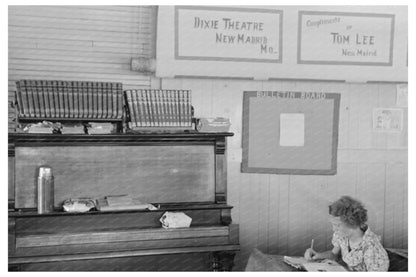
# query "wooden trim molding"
(23, 139)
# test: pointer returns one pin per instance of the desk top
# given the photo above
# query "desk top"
(259, 261)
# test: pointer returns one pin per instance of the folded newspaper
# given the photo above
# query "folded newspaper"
(121, 203)
(317, 266)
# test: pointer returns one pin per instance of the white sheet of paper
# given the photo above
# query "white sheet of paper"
(401, 95)
(292, 129)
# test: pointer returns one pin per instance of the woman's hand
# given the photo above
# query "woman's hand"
(310, 254)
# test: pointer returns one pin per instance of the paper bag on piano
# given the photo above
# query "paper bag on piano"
(175, 220)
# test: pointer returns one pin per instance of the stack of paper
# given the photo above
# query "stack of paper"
(73, 129)
(40, 130)
(100, 128)
(44, 127)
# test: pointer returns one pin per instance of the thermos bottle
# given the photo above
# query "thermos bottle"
(45, 190)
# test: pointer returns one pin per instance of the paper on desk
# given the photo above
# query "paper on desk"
(323, 266)
(296, 262)
(319, 266)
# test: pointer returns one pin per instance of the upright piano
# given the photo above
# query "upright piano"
(178, 172)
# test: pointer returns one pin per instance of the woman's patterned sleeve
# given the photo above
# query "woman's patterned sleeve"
(336, 240)
(376, 259)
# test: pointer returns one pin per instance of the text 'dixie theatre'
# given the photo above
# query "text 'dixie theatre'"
(228, 34)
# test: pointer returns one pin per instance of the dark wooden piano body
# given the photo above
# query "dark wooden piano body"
(183, 172)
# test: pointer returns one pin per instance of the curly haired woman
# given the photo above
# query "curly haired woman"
(353, 240)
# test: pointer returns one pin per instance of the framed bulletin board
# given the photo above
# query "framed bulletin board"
(290, 132)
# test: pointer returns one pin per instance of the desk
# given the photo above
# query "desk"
(398, 259)
(259, 261)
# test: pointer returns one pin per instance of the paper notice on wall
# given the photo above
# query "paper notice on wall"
(387, 120)
(401, 95)
(292, 129)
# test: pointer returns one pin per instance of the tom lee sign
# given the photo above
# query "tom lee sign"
(345, 38)
(228, 34)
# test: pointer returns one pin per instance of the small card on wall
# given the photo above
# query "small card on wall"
(387, 120)
(401, 95)
(292, 129)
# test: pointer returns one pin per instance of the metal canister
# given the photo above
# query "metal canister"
(45, 190)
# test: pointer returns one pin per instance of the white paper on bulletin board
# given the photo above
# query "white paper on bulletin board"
(292, 129)
(345, 38)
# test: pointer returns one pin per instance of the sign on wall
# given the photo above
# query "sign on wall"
(341, 43)
(345, 38)
(387, 120)
(228, 34)
(290, 132)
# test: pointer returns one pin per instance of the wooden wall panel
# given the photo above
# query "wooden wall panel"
(248, 217)
(333, 191)
(365, 124)
(370, 190)
(283, 216)
(299, 204)
(345, 181)
(371, 167)
(273, 213)
(353, 115)
(343, 137)
(233, 188)
(395, 224)
(262, 183)
(235, 90)
(85, 43)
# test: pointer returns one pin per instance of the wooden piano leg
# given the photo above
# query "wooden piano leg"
(222, 261)
(14, 268)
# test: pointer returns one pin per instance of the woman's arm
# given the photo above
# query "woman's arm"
(313, 255)
(376, 259)
(325, 255)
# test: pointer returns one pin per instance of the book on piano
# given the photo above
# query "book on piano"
(159, 109)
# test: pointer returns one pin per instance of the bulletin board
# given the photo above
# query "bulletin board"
(290, 132)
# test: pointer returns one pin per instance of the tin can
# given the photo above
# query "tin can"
(45, 190)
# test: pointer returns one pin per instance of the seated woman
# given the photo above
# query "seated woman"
(353, 240)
